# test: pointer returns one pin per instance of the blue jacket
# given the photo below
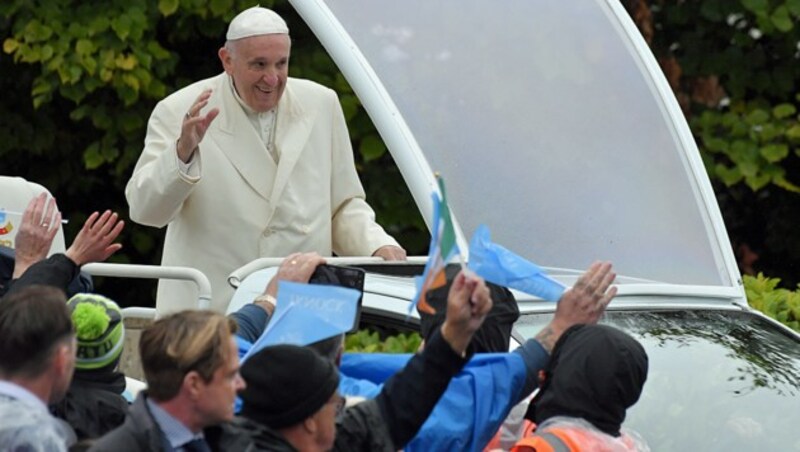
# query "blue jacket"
(472, 408)
(475, 404)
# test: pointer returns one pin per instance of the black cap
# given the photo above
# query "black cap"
(286, 384)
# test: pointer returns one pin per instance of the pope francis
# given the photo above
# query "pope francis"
(250, 163)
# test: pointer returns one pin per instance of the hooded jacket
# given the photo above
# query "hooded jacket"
(595, 373)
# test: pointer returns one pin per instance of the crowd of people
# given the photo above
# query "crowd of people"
(60, 386)
(261, 163)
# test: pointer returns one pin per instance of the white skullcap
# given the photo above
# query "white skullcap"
(256, 21)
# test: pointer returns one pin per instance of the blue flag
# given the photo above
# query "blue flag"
(308, 313)
(496, 264)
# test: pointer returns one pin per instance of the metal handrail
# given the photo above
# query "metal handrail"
(156, 272)
(237, 276)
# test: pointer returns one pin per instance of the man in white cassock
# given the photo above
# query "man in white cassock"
(250, 163)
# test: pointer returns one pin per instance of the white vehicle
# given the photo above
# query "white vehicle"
(552, 123)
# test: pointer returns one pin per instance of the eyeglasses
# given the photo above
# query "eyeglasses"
(339, 402)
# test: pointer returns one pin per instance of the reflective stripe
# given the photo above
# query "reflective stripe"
(554, 441)
(541, 442)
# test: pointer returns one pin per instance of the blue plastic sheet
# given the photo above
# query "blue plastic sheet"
(497, 264)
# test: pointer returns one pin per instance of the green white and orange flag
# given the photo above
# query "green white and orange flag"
(442, 249)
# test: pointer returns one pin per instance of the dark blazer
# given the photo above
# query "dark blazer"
(141, 433)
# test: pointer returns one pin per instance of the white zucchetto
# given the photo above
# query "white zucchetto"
(256, 21)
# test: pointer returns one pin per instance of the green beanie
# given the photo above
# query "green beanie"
(99, 329)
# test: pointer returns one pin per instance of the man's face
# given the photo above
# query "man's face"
(326, 422)
(259, 66)
(218, 395)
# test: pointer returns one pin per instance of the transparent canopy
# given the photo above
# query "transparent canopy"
(549, 127)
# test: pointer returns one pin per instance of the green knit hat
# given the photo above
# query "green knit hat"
(99, 328)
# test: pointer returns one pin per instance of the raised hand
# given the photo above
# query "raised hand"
(36, 232)
(468, 302)
(194, 126)
(94, 242)
(584, 303)
(297, 267)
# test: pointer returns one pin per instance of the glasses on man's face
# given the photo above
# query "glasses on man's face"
(339, 403)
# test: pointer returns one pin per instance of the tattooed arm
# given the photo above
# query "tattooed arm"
(584, 303)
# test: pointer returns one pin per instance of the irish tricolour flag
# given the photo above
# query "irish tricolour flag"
(443, 248)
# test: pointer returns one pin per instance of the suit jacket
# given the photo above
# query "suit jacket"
(141, 433)
(243, 206)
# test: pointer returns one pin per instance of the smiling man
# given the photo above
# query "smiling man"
(251, 163)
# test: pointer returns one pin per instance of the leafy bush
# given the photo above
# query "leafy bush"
(781, 304)
(733, 66)
(749, 143)
(368, 341)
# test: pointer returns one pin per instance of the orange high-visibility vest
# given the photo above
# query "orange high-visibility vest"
(494, 443)
(560, 439)
(549, 441)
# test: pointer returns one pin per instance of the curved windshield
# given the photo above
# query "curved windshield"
(717, 380)
(547, 126)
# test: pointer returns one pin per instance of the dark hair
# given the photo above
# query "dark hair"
(180, 343)
(33, 321)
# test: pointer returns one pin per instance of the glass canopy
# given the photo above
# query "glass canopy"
(548, 126)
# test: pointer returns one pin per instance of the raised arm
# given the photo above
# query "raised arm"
(584, 303)
(95, 240)
(94, 243)
(36, 232)
(253, 318)
(408, 398)
(169, 167)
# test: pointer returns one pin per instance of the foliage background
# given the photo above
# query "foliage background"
(79, 80)
(733, 65)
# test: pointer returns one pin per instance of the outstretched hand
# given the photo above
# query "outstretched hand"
(584, 303)
(94, 242)
(297, 267)
(468, 303)
(37, 229)
(194, 126)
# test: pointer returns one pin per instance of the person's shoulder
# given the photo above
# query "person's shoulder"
(132, 435)
(122, 439)
(31, 440)
(30, 431)
(304, 87)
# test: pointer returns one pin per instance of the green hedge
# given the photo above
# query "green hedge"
(782, 305)
(368, 341)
